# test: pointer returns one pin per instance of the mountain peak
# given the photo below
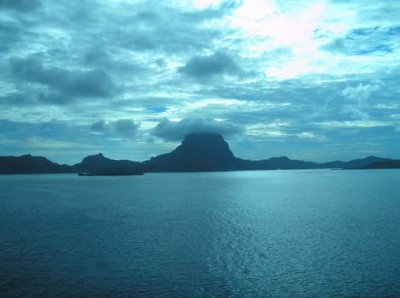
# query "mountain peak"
(98, 163)
(203, 137)
(98, 156)
(205, 145)
(197, 152)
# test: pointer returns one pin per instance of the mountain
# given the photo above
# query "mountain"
(360, 163)
(197, 153)
(28, 164)
(209, 152)
(96, 165)
(382, 164)
(353, 164)
(275, 163)
(93, 165)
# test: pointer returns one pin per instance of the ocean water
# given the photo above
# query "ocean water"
(305, 233)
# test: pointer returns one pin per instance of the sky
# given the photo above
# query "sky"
(310, 79)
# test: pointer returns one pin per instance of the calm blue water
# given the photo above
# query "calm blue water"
(315, 233)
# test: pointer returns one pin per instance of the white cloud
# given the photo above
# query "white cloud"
(356, 99)
(354, 124)
(358, 93)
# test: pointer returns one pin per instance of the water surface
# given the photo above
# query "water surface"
(311, 233)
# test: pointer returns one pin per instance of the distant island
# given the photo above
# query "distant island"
(199, 152)
(98, 165)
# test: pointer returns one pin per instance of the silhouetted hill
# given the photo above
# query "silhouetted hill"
(275, 163)
(383, 164)
(95, 164)
(99, 165)
(198, 152)
(352, 164)
(209, 152)
(28, 164)
(358, 163)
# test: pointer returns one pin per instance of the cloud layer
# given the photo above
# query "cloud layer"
(208, 67)
(309, 79)
(177, 130)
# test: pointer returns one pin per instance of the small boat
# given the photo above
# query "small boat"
(85, 174)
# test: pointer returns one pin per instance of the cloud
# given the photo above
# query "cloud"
(177, 130)
(126, 127)
(358, 93)
(206, 67)
(123, 127)
(15, 99)
(355, 124)
(99, 126)
(22, 5)
(365, 41)
(356, 97)
(254, 68)
(64, 85)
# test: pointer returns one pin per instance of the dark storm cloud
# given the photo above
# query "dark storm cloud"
(66, 63)
(123, 127)
(22, 5)
(206, 67)
(10, 32)
(64, 84)
(166, 37)
(98, 126)
(175, 131)
(15, 99)
(126, 127)
(100, 56)
(162, 28)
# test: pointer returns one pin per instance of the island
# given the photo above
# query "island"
(198, 152)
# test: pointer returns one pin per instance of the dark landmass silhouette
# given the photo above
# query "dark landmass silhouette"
(98, 165)
(197, 153)
(28, 164)
(209, 152)
(202, 152)
(357, 163)
(383, 164)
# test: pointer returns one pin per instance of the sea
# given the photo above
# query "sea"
(301, 233)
